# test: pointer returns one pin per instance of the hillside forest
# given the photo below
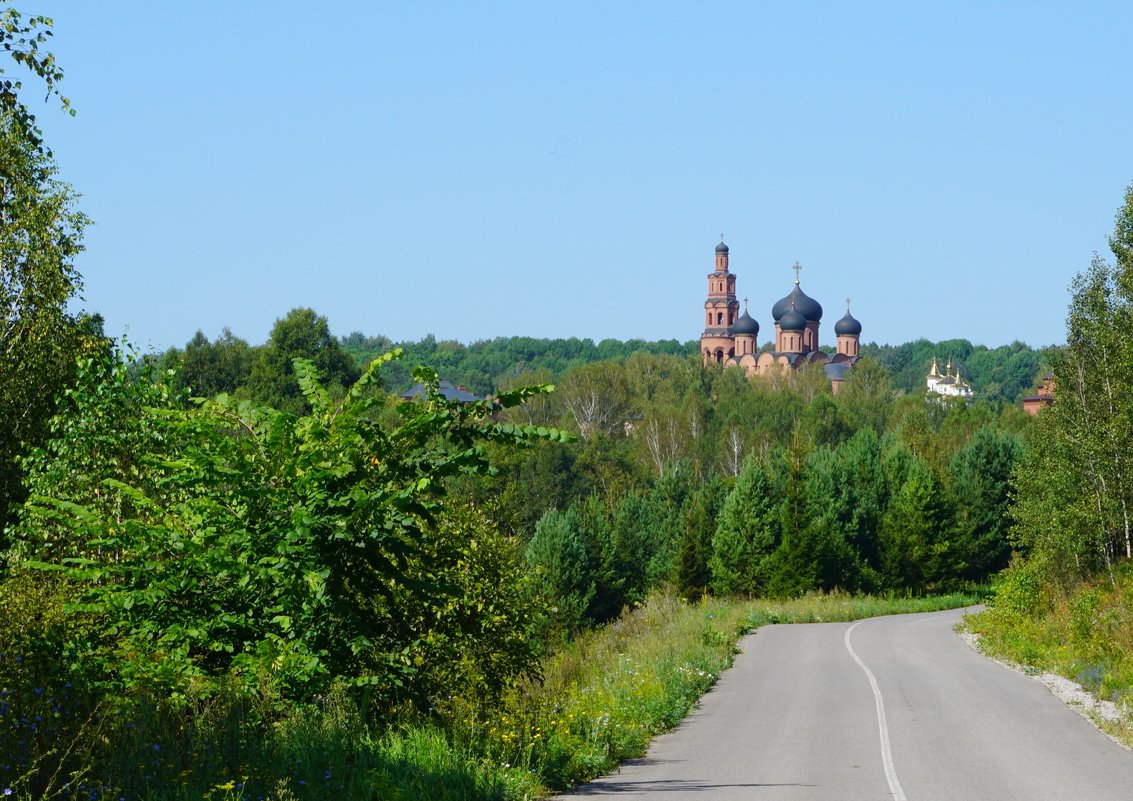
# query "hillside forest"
(266, 553)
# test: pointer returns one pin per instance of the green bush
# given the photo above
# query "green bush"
(282, 554)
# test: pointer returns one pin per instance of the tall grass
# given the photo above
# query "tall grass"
(603, 697)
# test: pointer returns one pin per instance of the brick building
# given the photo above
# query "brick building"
(730, 339)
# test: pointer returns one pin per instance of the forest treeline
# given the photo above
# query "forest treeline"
(767, 486)
(230, 364)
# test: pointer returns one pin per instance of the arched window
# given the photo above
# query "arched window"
(719, 318)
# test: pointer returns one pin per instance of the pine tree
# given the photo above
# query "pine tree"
(558, 557)
(916, 551)
(747, 533)
(980, 474)
(693, 574)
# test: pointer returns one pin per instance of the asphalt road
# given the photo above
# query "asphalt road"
(798, 718)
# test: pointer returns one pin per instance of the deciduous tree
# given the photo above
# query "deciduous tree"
(301, 334)
(41, 234)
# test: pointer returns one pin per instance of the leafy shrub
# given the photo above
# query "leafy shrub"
(282, 553)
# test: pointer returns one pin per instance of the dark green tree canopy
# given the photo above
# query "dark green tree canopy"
(301, 334)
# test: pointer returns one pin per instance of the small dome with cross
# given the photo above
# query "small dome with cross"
(847, 326)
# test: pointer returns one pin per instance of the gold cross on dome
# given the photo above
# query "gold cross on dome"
(797, 268)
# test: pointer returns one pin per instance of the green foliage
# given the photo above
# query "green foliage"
(209, 368)
(1078, 469)
(40, 236)
(999, 375)
(285, 553)
(794, 567)
(596, 398)
(46, 711)
(602, 698)
(484, 631)
(664, 524)
(915, 550)
(23, 38)
(822, 422)
(747, 533)
(301, 334)
(103, 428)
(694, 574)
(865, 399)
(1054, 513)
(486, 365)
(857, 497)
(980, 475)
(563, 567)
(606, 694)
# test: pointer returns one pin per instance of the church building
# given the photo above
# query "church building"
(947, 384)
(730, 340)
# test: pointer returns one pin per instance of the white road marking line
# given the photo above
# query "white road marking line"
(886, 753)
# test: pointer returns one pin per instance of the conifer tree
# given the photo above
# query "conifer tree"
(980, 474)
(915, 546)
(693, 574)
(747, 534)
(560, 562)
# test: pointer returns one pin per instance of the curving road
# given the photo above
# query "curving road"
(805, 711)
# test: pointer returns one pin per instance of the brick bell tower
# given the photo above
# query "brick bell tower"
(718, 342)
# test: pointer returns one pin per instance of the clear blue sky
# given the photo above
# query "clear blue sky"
(475, 170)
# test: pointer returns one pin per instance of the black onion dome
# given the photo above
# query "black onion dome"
(721, 248)
(805, 305)
(793, 320)
(847, 326)
(746, 325)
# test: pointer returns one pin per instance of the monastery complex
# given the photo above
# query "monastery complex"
(729, 338)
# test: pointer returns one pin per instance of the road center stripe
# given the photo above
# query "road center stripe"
(886, 753)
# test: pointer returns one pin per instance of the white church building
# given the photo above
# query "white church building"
(948, 385)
